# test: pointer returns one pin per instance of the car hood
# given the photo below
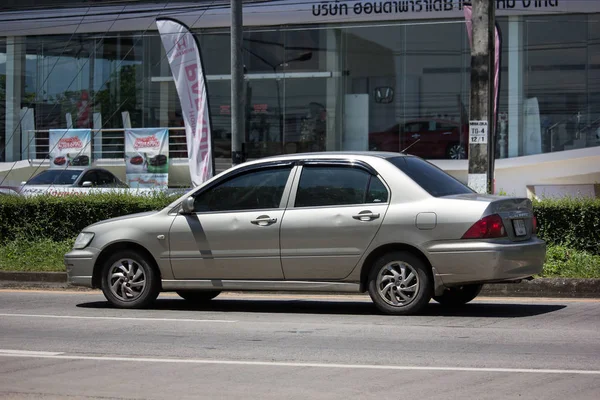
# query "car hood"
(123, 218)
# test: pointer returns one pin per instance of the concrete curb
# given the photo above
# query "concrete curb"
(542, 287)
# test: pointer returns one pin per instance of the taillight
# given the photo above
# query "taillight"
(535, 225)
(486, 228)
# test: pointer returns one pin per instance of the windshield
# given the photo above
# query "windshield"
(435, 181)
(55, 177)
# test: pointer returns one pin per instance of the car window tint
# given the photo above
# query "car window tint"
(329, 186)
(435, 181)
(105, 179)
(91, 176)
(251, 191)
(55, 177)
(377, 192)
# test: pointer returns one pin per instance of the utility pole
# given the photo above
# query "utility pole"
(237, 84)
(481, 113)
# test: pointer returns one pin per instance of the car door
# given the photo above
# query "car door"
(234, 233)
(331, 220)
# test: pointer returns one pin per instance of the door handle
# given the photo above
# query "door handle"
(366, 216)
(264, 220)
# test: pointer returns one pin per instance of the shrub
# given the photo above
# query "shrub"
(570, 222)
(62, 218)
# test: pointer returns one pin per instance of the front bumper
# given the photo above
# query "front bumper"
(80, 266)
(463, 262)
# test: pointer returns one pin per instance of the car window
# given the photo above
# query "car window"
(377, 192)
(55, 177)
(106, 179)
(414, 127)
(435, 181)
(329, 186)
(251, 191)
(90, 176)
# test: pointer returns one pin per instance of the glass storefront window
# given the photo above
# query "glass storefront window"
(315, 88)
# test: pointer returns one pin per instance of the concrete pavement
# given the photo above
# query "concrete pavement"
(72, 344)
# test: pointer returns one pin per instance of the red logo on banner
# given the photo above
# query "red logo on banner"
(70, 143)
(181, 43)
(149, 142)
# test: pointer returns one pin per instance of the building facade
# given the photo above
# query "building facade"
(331, 75)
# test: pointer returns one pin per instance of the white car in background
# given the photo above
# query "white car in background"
(84, 180)
(71, 180)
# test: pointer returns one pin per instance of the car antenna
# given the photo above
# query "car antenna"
(410, 145)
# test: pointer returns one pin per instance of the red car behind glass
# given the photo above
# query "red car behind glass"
(427, 138)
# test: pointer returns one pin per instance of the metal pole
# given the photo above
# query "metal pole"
(237, 84)
(482, 99)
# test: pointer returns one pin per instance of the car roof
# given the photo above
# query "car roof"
(333, 154)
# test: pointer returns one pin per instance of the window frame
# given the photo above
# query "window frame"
(352, 164)
(245, 171)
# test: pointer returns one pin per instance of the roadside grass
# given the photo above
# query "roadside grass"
(564, 262)
(47, 255)
(42, 255)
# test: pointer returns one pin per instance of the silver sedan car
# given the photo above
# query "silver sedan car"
(387, 223)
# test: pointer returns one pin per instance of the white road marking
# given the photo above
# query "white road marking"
(62, 356)
(27, 353)
(117, 318)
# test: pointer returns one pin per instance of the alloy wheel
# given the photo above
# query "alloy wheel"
(398, 283)
(127, 279)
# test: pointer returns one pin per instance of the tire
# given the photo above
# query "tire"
(391, 301)
(129, 280)
(459, 295)
(198, 296)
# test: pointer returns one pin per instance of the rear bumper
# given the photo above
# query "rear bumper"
(462, 262)
(80, 266)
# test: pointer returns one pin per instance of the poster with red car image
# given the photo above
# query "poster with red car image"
(147, 157)
(70, 148)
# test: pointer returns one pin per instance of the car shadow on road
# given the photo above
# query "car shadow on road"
(334, 307)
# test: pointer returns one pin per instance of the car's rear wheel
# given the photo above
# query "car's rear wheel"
(456, 151)
(459, 295)
(129, 280)
(400, 283)
(198, 296)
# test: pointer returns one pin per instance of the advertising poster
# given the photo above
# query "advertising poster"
(70, 147)
(147, 157)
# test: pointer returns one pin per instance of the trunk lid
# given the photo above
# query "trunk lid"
(516, 213)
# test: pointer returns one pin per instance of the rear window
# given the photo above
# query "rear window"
(55, 177)
(435, 181)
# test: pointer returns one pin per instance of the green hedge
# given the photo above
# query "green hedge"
(62, 218)
(572, 223)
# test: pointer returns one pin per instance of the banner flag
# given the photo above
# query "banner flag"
(183, 53)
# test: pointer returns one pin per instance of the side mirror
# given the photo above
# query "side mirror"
(23, 183)
(87, 184)
(188, 205)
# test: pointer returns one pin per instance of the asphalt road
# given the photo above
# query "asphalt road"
(73, 345)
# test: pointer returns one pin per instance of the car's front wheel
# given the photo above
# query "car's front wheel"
(129, 280)
(400, 283)
(198, 296)
(459, 295)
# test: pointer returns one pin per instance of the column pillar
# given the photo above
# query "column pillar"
(15, 71)
(332, 63)
(516, 84)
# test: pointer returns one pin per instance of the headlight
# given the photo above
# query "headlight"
(83, 239)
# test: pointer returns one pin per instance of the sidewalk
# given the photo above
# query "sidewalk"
(542, 287)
